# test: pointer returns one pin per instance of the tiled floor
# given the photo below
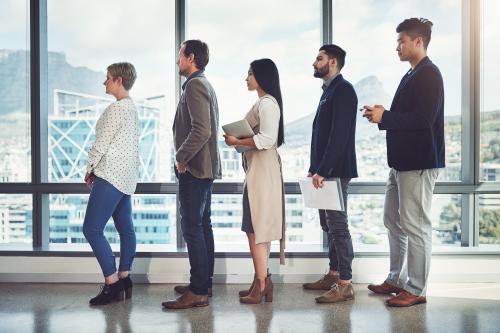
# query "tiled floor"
(64, 308)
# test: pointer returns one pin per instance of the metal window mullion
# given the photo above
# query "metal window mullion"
(467, 126)
(475, 221)
(476, 43)
(470, 118)
(39, 119)
(236, 187)
(467, 215)
(471, 127)
(468, 96)
(475, 40)
(180, 35)
(326, 25)
(326, 22)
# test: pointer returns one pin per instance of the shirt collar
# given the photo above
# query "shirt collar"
(327, 83)
(193, 75)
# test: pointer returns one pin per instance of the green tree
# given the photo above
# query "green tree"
(495, 148)
(451, 213)
(490, 223)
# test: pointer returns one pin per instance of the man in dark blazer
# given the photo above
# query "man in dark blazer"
(415, 152)
(333, 155)
(197, 165)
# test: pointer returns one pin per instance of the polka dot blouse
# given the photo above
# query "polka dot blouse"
(115, 153)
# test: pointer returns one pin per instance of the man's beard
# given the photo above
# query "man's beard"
(321, 72)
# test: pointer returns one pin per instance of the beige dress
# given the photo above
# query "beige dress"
(264, 179)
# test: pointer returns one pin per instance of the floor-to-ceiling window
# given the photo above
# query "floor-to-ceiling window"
(253, 30)
(43, 200)
(15, 116)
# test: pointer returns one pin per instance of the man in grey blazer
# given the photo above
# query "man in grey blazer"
(197, 164)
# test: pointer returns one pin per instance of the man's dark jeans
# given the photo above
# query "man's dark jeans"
(340, 249)
(195, 197)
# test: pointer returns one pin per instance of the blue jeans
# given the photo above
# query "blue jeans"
(106, 201)
(335, 223)
(195, 198)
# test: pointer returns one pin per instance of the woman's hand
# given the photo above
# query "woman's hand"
(231, 140)
(89, 179)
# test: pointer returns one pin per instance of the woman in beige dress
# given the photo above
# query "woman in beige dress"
(263, 196)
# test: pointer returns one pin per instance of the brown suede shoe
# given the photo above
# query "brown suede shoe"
(183, 289)
(246, 292)
(325, 283)
(338, 293)
(384, 288)
(256, 295)
(404, 299)
(186, 301)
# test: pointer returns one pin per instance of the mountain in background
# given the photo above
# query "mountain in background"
(14, 86)
(14, 95)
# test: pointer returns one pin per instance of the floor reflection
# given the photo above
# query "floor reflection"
(51, 308)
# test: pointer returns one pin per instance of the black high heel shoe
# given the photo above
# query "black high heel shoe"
(127, 286)
(109, 293)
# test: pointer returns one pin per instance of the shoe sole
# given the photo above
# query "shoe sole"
(119, 298)
(336, 301)
(404, 305)
(198, 305)
(385, 293)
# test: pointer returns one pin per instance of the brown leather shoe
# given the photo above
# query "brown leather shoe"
(384, 288)
(183, 289)
(404, 299)
(338, 293)
(325, 283)
(256, 295)
(186, 301)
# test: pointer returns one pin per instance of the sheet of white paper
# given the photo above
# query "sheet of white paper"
(240, 129)
(328, 197)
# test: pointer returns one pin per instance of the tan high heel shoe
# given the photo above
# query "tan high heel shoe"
(255, 296)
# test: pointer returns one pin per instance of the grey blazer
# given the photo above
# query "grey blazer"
(195, 128)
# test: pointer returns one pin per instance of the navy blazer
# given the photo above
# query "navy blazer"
(333, 152)
(415, 122)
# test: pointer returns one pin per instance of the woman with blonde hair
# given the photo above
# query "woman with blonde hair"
(112, 173)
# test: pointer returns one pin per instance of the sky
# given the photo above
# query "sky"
(367, 30)
(94, 33)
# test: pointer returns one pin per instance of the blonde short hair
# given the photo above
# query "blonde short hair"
(126, 71)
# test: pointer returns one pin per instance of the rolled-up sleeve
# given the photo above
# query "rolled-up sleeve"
(269, 114)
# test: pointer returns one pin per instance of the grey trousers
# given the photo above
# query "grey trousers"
(408, 199)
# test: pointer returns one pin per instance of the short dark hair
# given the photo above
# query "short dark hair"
(335, 51)
(200, 51)
(417, 27)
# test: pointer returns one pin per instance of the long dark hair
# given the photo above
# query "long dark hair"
(267, 76)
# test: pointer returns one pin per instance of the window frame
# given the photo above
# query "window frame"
(470, 186)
